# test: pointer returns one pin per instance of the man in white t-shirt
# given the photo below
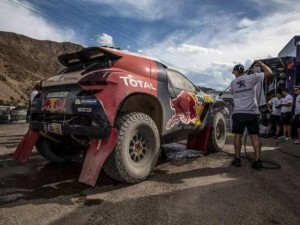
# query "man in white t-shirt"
(286, 115)
(245, 112)
(297, 112)
(275, 114)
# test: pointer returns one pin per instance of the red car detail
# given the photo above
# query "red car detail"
(185, 107)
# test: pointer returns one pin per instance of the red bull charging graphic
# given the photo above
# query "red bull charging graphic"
(54, 105)
(187, 109)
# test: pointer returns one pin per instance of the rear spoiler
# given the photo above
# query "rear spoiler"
(85, 55)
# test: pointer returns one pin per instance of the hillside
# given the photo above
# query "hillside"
(23, 61)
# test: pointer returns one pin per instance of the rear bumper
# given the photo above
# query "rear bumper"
(97, 132)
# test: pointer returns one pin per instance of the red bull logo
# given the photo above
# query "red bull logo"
(54, 105)
(187, 109)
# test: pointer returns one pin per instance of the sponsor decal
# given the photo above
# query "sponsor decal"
(60, 79)
(70, 78)
(77, 102)
(187, 109)
(84, 109)
(58, 94)
(86, 101)
(130, 81)
(54, 105)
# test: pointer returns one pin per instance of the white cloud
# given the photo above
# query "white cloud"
(206, 48)
(17, 19)
(105, 39)
(185, 48)
(245, 22)
(214, 51)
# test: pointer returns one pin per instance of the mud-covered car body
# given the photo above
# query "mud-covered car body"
(102, 89)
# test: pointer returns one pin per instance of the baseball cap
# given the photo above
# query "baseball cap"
(238, 67)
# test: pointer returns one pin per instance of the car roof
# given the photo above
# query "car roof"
(121, 52)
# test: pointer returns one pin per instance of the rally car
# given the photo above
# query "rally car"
(114, 109)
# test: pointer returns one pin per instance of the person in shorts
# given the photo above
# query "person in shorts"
(275, 115)
(245, 111)
(286, 115)
(297, 112)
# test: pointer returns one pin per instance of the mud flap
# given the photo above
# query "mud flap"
(95, 157)
(26, 145)
(199, 141)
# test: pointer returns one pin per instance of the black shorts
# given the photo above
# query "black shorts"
(240, 121)
(274, 119)
(297, 121)
(286, 118)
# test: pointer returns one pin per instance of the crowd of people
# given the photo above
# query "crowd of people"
(282, 116)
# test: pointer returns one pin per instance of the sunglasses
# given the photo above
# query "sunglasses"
(296, 89)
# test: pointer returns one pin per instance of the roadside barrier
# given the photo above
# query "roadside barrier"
(5, 115)
(10, 115)
(18, 116)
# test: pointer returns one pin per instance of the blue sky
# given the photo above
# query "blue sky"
(202, 38)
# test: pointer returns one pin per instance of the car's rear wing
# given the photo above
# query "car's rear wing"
(84, 56)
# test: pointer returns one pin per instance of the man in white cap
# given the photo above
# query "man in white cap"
(245, 112)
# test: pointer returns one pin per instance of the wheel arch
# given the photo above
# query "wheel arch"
(146, 104)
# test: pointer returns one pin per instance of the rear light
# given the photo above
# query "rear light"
(88, 82)
(88, 92)
(95, 78)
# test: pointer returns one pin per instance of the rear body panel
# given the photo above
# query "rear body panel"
(61, 110)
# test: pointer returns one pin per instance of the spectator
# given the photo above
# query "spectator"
(297, 112)
(286, 115)
(275, 115)
(35, 91)
(245, 111)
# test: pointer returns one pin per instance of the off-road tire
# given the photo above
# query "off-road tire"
(57, 153)
(18, 112)
(217, 137)
(4, 121)
(5, 117)
(4, 112)
(137, 148)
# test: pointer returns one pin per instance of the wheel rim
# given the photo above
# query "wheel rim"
(138, 148)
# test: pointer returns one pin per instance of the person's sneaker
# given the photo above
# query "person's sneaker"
(288, 139)
(276, 137)
(282, 138)
(257, 164)
(236, 162)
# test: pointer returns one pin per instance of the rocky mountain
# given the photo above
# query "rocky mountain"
(23, 61)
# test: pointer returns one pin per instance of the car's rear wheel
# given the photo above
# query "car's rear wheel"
(137, 148)
(57, 152)
(217, 136)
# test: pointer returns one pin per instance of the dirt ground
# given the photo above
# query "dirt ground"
(203, 190)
